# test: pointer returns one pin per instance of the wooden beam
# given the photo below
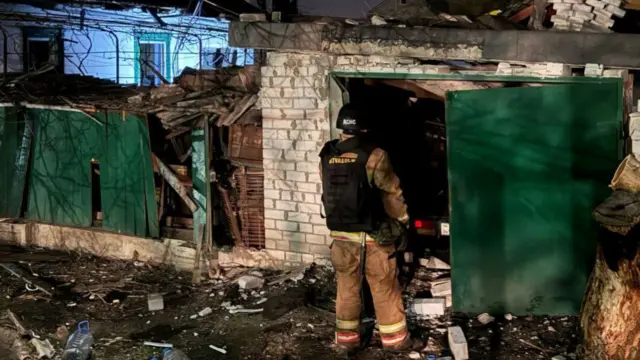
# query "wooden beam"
(174, 182)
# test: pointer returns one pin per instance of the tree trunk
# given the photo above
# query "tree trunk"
(611, 309)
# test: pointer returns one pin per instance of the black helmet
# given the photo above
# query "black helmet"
(352, 119)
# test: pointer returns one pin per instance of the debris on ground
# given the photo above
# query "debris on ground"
(431, 306)
(293, 317)
(155, 302)
(509, 317)
(249, 282)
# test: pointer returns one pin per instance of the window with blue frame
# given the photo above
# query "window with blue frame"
(152, 58)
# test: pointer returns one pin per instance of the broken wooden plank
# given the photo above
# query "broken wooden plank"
(175, 183)
(241, 107)
(16, 322)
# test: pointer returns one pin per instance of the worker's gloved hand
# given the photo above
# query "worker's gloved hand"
(404, 220)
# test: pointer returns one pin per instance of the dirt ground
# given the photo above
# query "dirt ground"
(296, 323)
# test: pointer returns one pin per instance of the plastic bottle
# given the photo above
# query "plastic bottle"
(79, 344)
(174, 354)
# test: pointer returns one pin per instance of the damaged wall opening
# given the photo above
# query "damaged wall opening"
(516, 166)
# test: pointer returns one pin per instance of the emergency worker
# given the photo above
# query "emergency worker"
(366, 213)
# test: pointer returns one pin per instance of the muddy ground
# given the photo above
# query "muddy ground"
(297, 321)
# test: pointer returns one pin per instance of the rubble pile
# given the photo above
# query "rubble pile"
(589, 15)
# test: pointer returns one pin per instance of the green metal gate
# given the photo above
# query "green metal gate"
(526, 167)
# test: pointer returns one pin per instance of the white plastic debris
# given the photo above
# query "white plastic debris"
(246, 311)
(156, 344)
(220, 350)
(485, 318)
(204, 312)
(415, 355)
(248, 282)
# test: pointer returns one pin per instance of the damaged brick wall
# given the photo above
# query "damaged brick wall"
(294, 100)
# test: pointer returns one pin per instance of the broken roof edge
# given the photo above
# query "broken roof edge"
(608, 49)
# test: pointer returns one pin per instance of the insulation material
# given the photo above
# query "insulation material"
(523, 186)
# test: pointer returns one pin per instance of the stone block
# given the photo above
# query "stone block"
(439, 288)
(291, 256)
(287, 225)
(307, 187)
(316, 239)
(274, 214)
(581, 7)
(292, 237)
(253, 17)
(272, 154)
(305, 103)
(276, 254)
(304, 125)
(597, 4)
(286, 205)
(593, 70)
(557, 69)
(296, 176)
(582, 15)
(294, 155)
(621, 73)
(273, 234)
(615, 10)
(299, 247)
(298, 217)
(282, 245)
(617, 3)
(433, 306)
(563, 6)
(322, 250)
(458, 343)
(602, 13)
(248, 282)
(307, 145)
(307, 228)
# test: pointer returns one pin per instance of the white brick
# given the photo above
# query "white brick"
(322, 250)
(307, 187)
(274, 214)
(270, 244)
(279, 58)
(563, 6)
(435, 306)
(274, 174)
(273, 234)
(296, 176)
(279, 81)
(283, 165)
(344, 60)
(305, 103)
(304, 81)
(294, 155)
(615, 10)
(593, 70)
(281, 124)
(304, 125)
(597, 4)
(286, 225)
(269, 204)
(298, 196)
(282, 245)
(603, 22)
(557, 69)
(313, 135)
(286, 195)
(615, 73)
(272, 154)
(277, 103)
(284, 185)
(317, 114)
(634, 126)
(314, 178)
(321, 230)
(293, 236)
(298, 217)
(272, 194)
(293, 256)
(269, 224)
(306, 228)
(282, 114)
(582, 15)
(308, 166)
(318, 220)
(282, 134)
(582, 7)
(309, 208)
(269, 134)
(613, 2)
(458, 343)
(309, 198)
(316, 239)
(307, 145)
(276, 254)
(313, 93)
(307, 258)
(299, 247)
(282, 144)
(286, 205)
(602, 14)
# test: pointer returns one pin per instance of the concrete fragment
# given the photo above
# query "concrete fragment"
(220, 350)
(603, 13)
(508, 317)
(615, 10)
(248, 282)
(441, 288)
(204, 312)
(434, 306)
(253, 17)
(504, 69)
(593, 70)
(415, 355)
(485, 318)
(597, 4)
(613, 2)
(603, 22)
(155, 302)
(558, 357)
(458, 343)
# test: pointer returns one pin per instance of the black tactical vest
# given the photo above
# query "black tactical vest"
(351, 202)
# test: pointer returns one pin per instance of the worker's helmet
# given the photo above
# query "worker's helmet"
(352, 119)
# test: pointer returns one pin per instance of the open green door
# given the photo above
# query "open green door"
(526, 168)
